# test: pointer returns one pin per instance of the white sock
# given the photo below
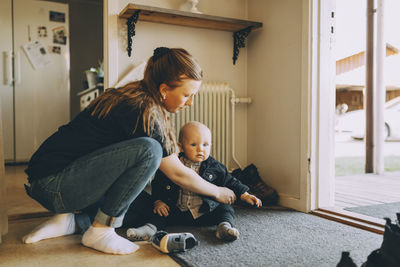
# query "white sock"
(105, 239)
(226, 232)
(58, 225)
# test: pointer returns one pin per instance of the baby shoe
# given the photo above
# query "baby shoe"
(174, 242)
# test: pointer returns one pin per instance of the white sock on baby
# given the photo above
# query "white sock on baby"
(144, 232)
(58, 225)
(226, 232)
(105, 239)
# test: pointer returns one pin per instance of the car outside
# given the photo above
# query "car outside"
(353, 122)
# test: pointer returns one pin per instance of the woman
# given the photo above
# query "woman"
(106, 155)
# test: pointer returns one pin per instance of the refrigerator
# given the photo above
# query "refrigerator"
(34, 74)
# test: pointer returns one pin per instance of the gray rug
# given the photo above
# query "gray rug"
(380, 211)
(278, 238)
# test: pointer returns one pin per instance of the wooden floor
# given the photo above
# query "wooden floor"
(68, 251)
(63, 251)
(367, 189)
(18, 202)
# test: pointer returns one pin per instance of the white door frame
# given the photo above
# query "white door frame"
(323, 106)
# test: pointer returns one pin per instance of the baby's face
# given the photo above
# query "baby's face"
(196, 143)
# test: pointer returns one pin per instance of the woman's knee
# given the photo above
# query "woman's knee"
(154, 149)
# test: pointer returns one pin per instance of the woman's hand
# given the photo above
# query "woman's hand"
(188, 179)
(225, 195)
(161, 208)
(251, 199)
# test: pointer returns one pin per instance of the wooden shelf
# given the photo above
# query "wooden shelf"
(176, 17)
(240, 28)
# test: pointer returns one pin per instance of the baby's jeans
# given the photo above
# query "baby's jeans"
(222, 213)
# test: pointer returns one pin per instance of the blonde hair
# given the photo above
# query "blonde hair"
(169, 67)
(190, 124)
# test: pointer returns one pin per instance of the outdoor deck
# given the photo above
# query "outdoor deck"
(367, 189)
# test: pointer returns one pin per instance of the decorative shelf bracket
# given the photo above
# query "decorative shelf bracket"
(239, 41)
(131, 24)
(240, 28)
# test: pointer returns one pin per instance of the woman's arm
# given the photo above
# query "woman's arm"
(188, 179)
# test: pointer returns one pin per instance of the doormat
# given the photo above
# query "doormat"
(380, 211)
(278, 238)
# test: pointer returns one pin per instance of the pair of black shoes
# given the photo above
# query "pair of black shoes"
(388, 255)
(250, 177)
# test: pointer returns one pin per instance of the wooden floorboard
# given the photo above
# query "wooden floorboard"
(367, 189)
(18, 202)
(370, 196)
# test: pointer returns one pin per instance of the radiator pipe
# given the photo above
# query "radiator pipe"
(241, 100)
(234, 101)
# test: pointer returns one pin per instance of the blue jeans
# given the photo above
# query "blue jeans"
(222, 213)
(107, 180)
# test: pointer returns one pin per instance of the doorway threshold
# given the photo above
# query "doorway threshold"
(361, 221)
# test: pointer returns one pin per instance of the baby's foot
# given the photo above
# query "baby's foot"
(142, 233)
(58, 225)
(105, 239)
(226, 232)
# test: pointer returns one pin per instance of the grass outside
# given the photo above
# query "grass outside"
(356, 165)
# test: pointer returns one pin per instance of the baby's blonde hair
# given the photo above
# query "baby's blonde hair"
(188, 125)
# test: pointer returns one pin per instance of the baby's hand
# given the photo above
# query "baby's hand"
(161, 208)
(251, 199)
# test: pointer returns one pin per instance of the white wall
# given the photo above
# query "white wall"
(276, 133)
(213, 49)
(273, 69)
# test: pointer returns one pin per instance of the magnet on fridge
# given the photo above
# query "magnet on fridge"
(57, 16)
(42, 31)
(29, 33)
(55, 49)
(59, 35)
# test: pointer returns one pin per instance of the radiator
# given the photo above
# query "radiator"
(214, 106)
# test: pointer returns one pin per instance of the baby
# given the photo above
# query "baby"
(176, 206)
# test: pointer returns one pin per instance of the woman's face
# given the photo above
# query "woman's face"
(177, 98)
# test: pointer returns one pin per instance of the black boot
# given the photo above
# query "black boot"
(250, 177)
(346, 260)
(388, 255)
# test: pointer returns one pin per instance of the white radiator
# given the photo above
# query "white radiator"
(214, 106)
